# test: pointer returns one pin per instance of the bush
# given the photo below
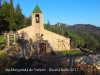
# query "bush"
(1, 38)
(19, 40)
(2, 45)
(2, 56)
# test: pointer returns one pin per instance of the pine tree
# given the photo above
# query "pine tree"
(48, 25)
(11, 19)
(19, 17)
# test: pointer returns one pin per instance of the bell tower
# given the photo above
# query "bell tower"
(37, 20)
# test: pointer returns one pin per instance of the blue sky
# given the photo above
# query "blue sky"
(65, 11)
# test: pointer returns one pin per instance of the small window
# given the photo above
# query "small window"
(41, 34)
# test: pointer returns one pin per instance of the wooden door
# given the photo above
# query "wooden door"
(42, 48)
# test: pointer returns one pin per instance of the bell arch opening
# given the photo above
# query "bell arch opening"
(37, 18)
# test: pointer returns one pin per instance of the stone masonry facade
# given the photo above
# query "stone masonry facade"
(38, 34)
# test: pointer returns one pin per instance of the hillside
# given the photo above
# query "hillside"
(85, 28)
(88, 28)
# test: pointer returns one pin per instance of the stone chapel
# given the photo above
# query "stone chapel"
(43, 40)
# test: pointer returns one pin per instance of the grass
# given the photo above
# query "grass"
(1, 38)
(72, 52)
(2, 56)
(2, 44)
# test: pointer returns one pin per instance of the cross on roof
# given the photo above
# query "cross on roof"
(36, 3)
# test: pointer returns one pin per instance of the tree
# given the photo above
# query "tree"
(27, 21)
(4, 16)
(19, 17)
(48, 25)
(92, 43)
(12, 18)
(12, 24)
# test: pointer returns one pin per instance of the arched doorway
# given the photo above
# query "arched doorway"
(42, 48)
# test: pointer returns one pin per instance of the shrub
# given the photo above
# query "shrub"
(2, 45)
(1, 38)
(2, 56)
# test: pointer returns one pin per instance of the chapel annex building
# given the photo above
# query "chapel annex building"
(42, 40)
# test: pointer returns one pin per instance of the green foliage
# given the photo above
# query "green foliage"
(72, 52)
(48, 25)
(11, 18)
(19, 40)
(19, 17)
(91, 42)
(1, 38)
(97, 39)
(2, 45)
(4, 11)
(12, 24)
(27, 21)
(76, 40)
(4, 16)
(2, 56)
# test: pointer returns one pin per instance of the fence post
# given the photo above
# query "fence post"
(8, 39)
(5, 35)
(14, 37)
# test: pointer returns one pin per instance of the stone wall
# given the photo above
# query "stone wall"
(29, 31)
(85, 62)
(58, 42)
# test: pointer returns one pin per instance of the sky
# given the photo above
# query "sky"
(65, 11)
